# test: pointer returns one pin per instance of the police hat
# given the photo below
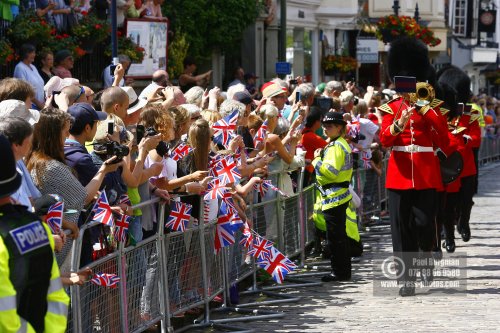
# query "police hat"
(10, 179)
(334, 118)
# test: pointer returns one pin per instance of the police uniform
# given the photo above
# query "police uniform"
(32, 298)
(333, 174)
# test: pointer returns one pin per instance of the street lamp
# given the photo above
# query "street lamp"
(417, 13)
(396, 7)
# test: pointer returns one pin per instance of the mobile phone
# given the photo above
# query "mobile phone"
(111, 127)
(139, 132)
(293, 81)
(297, 96)
(112, 70)
(54, 93)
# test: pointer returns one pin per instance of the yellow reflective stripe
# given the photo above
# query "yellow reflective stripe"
(55, 285)
(24, 326)
(336, 198)
(57, 308)
(8, 303)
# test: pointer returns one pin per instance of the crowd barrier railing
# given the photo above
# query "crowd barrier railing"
(170, 273)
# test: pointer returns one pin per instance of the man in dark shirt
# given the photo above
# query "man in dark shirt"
(82, 130)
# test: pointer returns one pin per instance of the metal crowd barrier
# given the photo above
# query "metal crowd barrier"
(170, 273)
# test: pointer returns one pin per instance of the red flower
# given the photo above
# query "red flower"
(53, 31)
(119, 33)
(43, 23)
(65, 35)
(98, 26)
(84, 13)
(59, 37)
(79, 51)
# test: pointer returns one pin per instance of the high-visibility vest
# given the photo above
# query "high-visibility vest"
(351, 224)
(334, 166)
(32, 297)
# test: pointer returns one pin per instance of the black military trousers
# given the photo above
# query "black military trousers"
(466, 193)
(412, 214)
(337, 241)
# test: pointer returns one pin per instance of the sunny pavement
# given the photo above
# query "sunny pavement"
(352, 307)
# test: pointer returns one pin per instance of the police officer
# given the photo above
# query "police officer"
(333, 168)
(32, 298)
(413, 173)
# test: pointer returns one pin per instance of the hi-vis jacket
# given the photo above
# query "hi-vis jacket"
(351, 221)
(32, 298)
(334, 166)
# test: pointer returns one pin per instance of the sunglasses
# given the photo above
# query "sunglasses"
(82, 92)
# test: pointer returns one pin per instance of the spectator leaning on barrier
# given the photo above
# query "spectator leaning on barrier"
(26, 70)
(32, 295)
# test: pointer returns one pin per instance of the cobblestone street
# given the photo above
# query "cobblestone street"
(352, 306)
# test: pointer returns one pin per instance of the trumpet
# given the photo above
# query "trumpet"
(423, 96)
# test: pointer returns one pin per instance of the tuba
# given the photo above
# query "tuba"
(423, 96)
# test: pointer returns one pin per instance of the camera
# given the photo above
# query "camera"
(112, 70)
(356, 100)
(162, 148)
(113, 148)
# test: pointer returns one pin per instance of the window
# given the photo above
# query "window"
(459, 17)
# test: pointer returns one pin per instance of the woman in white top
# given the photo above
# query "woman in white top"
(25, 70)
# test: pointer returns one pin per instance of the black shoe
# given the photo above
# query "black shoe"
(407, 291)
(465, 234)
(427, 278)
(333, 278)
(450, 246)
(315, 253)
(437, 253)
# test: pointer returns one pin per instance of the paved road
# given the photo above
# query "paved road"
(353, 307)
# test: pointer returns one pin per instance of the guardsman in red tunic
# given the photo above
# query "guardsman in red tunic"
(460, 81)
(413, 173)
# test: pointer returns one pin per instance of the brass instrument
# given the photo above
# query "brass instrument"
(423, 96)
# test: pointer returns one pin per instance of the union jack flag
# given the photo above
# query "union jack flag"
(215, 190)
(179, 216)
(121, 228)
(261, 248)
(55, 217)
(227, 170)
(246, 236)
(366, 158)
(235, 220)
(180, 151)
(124, 200)
(265, 186)
(102, 210)
(260, 136)
(225, 128)
(105, 280)
(224, 234)
(277, 265)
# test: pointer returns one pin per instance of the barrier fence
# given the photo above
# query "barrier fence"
(172, 272)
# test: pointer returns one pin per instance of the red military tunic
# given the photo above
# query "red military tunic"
(474, 132)
(413, 164)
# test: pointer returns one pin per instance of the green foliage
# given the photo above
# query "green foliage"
(210, 24)
(177, 51)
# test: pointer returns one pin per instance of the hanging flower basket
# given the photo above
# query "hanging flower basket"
(392, 27)
(333, 64)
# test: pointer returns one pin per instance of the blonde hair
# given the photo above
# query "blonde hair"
(157, 117)
(211, 116)
(181, 116)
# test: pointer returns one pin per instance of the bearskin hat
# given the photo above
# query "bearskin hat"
(458, 79)
(448, 95)
(410, 57)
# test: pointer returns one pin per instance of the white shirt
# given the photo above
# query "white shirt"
(368, 128)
